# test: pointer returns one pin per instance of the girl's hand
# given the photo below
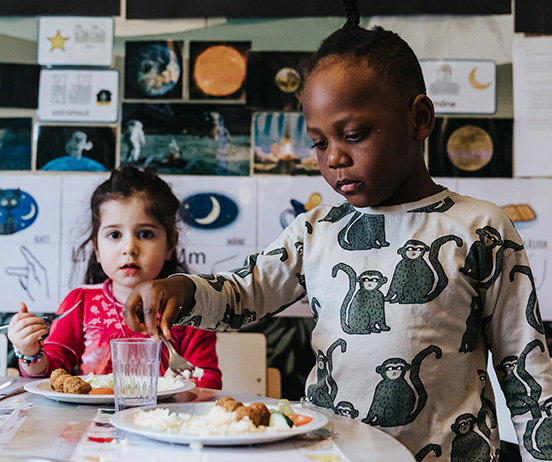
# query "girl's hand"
(158, 303)
(25, 329)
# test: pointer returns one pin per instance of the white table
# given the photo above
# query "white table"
(57, 430)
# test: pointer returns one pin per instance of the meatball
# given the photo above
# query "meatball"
(76, 385)
(229, 404)
(56, 379)
(258, 413)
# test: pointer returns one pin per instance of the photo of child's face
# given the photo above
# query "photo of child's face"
(362, 131)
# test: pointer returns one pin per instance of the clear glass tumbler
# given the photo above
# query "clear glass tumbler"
(135, 371)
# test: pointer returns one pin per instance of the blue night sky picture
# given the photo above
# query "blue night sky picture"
(18, 210)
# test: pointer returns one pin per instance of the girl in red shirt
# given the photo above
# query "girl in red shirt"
(134, 237)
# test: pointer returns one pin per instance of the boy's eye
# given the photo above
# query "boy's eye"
(320, 145)
(354, 136)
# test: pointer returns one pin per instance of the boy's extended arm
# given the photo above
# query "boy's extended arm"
(266, 284)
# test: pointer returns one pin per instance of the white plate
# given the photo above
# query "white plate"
(124, 421)
(43, 387)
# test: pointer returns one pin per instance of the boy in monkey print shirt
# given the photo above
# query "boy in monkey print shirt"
(411, 285)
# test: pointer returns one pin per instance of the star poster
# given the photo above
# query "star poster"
(75, 41)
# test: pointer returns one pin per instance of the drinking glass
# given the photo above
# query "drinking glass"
(135, 371)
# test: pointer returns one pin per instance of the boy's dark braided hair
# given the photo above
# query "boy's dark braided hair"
(383, 50)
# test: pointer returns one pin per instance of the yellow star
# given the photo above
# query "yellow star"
(58, 41)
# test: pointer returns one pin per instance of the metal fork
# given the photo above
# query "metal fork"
(49, 318)
(177, 363)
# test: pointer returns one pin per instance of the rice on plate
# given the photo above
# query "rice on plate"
(218, 421)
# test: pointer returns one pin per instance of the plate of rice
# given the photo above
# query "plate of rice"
(166, 387)
(209, 425)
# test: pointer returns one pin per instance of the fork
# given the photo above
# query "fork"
(177, 363)
(49, 319)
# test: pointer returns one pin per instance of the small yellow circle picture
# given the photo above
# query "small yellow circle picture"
(470, 148)
(287, 79)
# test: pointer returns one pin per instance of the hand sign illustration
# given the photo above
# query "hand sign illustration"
(33, 277)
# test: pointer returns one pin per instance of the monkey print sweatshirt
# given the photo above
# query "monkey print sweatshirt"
(408, 302)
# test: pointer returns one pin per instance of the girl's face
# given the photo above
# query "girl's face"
(366, 134)
(131, 246)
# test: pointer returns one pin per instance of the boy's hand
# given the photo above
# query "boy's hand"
(25, 329)
(158, 302)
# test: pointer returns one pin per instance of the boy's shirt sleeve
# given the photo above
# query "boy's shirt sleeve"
(266, 284)
(520, 355)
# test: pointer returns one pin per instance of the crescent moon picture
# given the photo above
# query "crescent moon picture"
(212, 216)
(30, 214)
(475, 83)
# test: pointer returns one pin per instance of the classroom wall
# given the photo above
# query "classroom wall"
(42, 255)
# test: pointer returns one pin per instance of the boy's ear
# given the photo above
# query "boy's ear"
(424, 117)
(171, 245)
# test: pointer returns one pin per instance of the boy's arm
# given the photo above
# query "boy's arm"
(520, 355)
(267, 283)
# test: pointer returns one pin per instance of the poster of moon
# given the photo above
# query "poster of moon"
(274, 80)
(466, 147)
(190, 139)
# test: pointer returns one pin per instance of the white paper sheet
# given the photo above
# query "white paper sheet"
(532, 74)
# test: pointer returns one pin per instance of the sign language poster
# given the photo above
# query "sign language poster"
(29, 242)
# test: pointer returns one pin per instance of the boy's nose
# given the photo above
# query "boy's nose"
(338, 158)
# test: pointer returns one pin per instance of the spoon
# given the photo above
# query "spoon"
(177, 363)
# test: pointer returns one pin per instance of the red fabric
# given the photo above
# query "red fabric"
(81, 339)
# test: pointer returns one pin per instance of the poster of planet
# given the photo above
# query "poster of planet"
(75, 148)
(274, 80)
(16, 143)
(218, 70)
(189, 139)
(281, 145)
(153, 70)
(466, 147)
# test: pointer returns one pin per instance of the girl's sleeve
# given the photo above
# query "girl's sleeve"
(199, 347)
(64, 345)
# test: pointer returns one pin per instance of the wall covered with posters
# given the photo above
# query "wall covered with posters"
(84, 93)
